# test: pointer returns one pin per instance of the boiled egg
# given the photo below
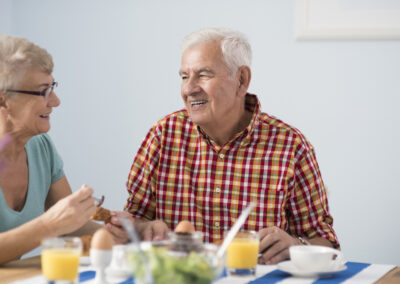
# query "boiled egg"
(184, 227)
(102, 240)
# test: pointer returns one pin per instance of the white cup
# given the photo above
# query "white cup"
(315, 258)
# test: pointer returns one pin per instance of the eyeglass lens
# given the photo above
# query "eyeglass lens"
(50, 89)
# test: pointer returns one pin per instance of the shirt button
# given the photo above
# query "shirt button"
(216, 224)
(217, 190)
(221, 156)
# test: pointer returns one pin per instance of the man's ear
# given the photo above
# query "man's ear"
(244, 74)
(2, 99)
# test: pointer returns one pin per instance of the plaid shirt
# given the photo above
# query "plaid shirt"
(179, 173)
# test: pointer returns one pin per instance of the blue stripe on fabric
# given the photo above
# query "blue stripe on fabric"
(86, 275)
(352, 269)
(91, 274)
(271, 277)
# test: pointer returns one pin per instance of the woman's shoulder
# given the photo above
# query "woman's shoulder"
(41, 142)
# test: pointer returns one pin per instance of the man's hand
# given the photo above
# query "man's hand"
(155, 230)
(147, 230)
(115, 226)
(274, 245)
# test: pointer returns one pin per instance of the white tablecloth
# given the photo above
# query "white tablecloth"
(270, 274)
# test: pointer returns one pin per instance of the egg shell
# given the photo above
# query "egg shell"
(102, 240)
(184, 227)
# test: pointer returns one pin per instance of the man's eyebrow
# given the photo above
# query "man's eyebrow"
(204, 69)
(200, 70)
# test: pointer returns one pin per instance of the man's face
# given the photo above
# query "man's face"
(207, 89)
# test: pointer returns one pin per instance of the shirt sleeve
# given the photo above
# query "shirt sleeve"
(308, 203)
(142, 178)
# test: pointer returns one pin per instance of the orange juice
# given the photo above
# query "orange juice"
(60, 264)
(242, 253)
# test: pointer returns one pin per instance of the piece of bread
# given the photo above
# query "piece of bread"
(86, 240)
(102, 214)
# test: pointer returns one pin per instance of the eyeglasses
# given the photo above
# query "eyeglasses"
(45, 93)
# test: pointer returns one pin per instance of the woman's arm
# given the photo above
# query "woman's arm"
(66, 215)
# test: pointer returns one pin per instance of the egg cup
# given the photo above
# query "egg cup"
(100, 260)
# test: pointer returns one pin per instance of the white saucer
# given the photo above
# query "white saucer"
(289, 267)
(114, 272)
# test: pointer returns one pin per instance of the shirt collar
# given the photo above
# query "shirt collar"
(253, 105)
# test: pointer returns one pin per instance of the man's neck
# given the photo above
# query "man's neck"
(222, 133)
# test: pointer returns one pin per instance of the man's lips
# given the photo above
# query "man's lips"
(198, 103)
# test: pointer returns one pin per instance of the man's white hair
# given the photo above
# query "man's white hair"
(18, 55)
(235, 47)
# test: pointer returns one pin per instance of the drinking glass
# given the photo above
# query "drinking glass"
(242, 254)
(60, 259)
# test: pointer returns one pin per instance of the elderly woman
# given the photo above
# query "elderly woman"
(36, 200)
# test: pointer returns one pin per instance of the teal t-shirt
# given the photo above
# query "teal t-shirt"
(45, 167)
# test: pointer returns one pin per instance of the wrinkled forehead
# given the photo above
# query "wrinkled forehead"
(203, 55)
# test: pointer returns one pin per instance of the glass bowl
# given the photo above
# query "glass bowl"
(168, 265)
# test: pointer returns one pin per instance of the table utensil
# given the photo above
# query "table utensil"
(98, 201)
(242, 254)
(100, 259)
(289, 267)
(60, 259)
(130, 230)
(235, 228)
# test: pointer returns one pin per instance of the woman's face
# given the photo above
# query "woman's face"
(29, 114)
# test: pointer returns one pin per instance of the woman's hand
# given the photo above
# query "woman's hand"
(69, 213)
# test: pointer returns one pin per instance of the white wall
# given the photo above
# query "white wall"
(117, 64)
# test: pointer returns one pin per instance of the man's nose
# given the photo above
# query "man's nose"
(190, 86)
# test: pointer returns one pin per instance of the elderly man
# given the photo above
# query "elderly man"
(207, 162)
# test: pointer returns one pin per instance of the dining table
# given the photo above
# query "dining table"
(28, 271)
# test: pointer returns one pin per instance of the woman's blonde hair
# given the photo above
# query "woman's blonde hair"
(18, 55)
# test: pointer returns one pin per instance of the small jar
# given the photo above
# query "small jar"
(186, 242)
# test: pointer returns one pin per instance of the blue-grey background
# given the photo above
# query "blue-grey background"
(117, 64)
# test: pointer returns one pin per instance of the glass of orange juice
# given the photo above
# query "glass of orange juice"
(60, 259)
(242, 254)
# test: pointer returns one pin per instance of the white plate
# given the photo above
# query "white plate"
(118, 272)
(289, 267)
(84, 260)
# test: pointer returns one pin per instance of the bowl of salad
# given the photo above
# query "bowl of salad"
(180, 260)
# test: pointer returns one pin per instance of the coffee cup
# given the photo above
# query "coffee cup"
(315, 258)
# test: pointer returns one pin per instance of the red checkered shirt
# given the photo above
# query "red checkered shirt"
(181, 174)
